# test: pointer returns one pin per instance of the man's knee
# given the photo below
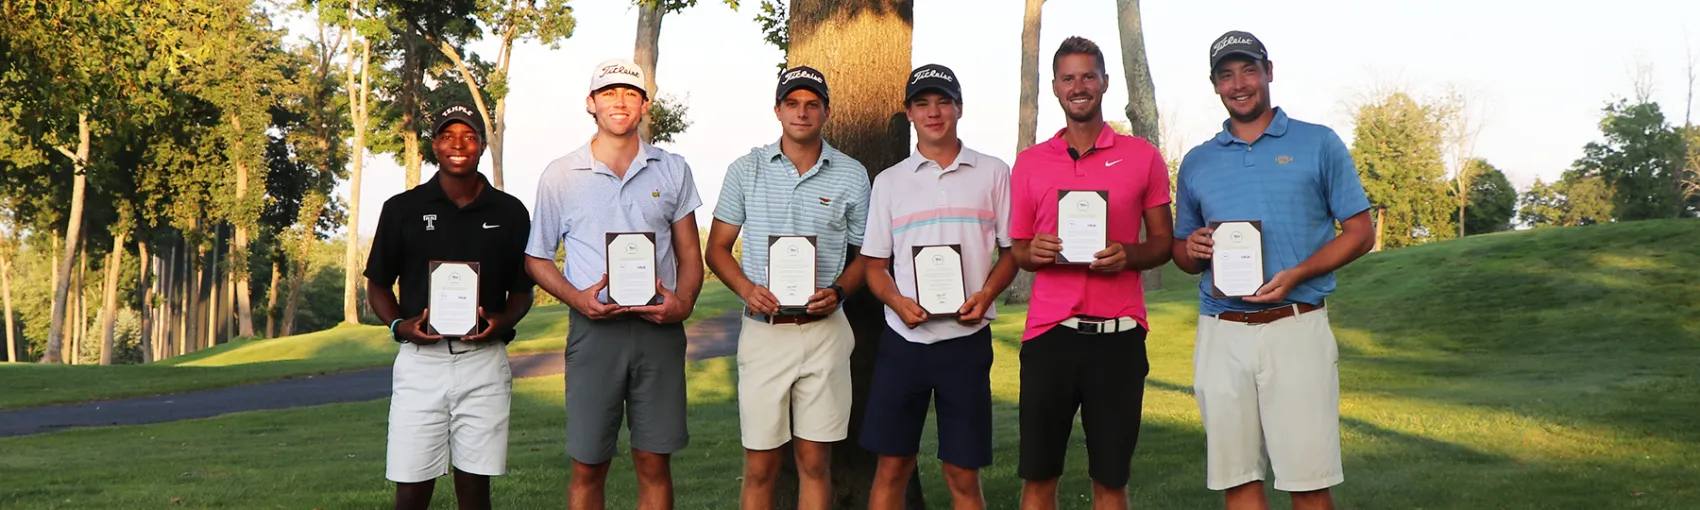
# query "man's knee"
(961, 479)
(651, 467)
(761, 468)
(814, 460)
(586, 474)
(894, 468)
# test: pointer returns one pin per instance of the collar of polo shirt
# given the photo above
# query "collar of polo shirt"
(1277, 128)
(433, 190)
(964, 157)
(826, 150)
(584, 159)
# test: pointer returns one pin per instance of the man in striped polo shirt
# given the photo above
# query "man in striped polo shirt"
(945, 196)
(620, 360)
(793, 368)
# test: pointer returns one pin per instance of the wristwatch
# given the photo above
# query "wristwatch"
(397, 339)
(837, 291)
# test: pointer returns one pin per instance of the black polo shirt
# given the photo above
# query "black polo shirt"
(420, 225)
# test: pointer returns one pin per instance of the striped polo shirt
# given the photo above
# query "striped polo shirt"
(765, 196)
(580, 200)
(919, 203)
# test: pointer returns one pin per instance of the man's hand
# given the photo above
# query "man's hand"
(586, 304)
(1044, 249)
(494, 328)
(760, 301)
(974, 309)
(1110, 260)
(823, 302)
(909, 312)
(1276, 289)
(671, 310)
(1199, 245)
(413, 330)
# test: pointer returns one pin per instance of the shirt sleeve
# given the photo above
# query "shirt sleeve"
(383, 264)
(730, 207)
(1000, 205)
(689, 200)
(1188, 215)
(877, 241)
(1344, 189)
(547, 225)
(1157, 183)
(858, 213)
(1021, 203)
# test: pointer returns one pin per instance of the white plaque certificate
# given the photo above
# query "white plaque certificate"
(1083, 224)
(1236, 269)
(631, 268)
(791, 270)
(453, 298)
(939, 285)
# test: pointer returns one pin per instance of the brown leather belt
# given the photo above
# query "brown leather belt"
(783, 318)
(1270, 315)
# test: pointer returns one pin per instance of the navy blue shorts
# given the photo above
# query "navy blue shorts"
(908, 376)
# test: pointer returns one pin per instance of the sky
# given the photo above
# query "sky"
(1541, 72)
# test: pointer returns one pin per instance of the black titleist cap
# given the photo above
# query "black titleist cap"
(1236, 43)
(801, 77)
(933, 77)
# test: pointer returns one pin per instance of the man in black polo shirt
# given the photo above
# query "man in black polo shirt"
(450, 394)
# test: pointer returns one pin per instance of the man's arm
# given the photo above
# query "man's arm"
(824, 301)
(382, 299)
(721, 236)
(550, 279)
(1356, 238)
(882, 286)
(676, 305)
(1156, 249)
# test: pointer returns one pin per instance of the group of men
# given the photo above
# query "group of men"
(1265, 381)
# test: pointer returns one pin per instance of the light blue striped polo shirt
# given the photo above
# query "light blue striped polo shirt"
(765, 196)
(579, 200)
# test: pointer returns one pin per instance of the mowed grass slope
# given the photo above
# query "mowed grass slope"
(1547, 369)
(345, 347)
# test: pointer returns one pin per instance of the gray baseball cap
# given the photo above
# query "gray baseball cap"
(1236, 43)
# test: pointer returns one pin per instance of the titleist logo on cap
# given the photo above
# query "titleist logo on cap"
(617, 69)
(803, 73)
(931, 73)
(1229, 40)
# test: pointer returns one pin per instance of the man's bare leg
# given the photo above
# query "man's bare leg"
(586, 490)
(761, 469)
(1039, 494)
(814, 474)
(964, 486)
(1247, 496)
(655, 480)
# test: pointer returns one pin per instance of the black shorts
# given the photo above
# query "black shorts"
(1102, 376)
(954, 375)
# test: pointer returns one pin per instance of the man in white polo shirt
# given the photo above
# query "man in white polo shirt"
(944, 199)
(621, 361)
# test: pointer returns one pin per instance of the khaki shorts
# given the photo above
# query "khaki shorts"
(794, 368)
(1270, 393)
(447, 407)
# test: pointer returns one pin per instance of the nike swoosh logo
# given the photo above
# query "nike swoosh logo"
(488, 226)
(1112, 163)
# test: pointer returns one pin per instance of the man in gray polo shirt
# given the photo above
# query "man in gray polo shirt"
(793, 368)
(619, 359)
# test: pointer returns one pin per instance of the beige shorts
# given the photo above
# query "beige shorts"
(447, 407)
(1270, 394)
(794, 381)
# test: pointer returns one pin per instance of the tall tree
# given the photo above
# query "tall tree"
(1641, 160)
(1573, 201)
(1492, 199)
(421, 28)
(647, 52)
(6, 250)
(1027, 122)
(1462, 125)
(863, 47)
(359, 105)
(1397, 146)
(1141, 99)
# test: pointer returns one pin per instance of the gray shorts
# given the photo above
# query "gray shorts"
(628, 367)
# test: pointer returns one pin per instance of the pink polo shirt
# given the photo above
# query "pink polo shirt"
(1133, 173)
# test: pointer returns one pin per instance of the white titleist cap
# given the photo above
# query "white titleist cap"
(617, 71)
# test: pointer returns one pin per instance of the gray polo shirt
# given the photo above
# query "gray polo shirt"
(579, 200)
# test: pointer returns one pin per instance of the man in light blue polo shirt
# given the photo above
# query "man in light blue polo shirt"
(620, 360)
(793, 368)
(1265, 372)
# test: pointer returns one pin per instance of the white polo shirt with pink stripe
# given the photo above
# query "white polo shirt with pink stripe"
(919, 202)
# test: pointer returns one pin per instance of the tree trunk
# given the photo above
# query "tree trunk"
(357, 104)
(239, 253)
(73, 229)
(1379, 213)
(1141, 100)
(647, 52)
(412, 74)
(271, 303)
(209, 300)
(145, 336)
(81, 335)
(499, 129)
(109, 305)
(190, 294)
(863, 47)
(6, 290)
(297, 278)
(1021, 289)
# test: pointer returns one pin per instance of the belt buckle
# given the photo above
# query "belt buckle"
(1089, 327)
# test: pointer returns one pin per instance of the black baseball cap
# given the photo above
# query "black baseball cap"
(459, 112)
(932, 77)
(1236, 43)
(801, 77)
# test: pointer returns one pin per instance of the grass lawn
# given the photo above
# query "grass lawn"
(1547, 369)
(337, 349)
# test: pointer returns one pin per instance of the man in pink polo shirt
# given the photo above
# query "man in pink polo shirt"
(1084, 347)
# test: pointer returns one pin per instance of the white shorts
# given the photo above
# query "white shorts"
(794, 368)
(446, 405)
(1270, 393)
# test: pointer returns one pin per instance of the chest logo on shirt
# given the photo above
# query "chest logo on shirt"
(430, 222)
(825, 201)
(1282, 160)
(656, 193)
